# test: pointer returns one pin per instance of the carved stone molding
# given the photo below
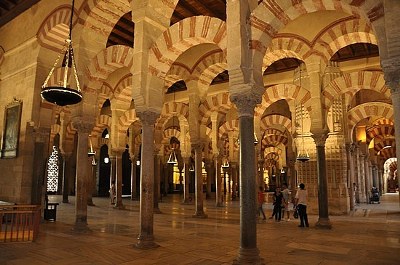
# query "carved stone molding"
(148, 117)
(245, 103)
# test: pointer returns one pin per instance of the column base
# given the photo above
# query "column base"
(323, 223)
(81, 228)
(90, 203)
(157, 210)
(187, 201)
(200, 214)
(146, 243)
(65, 201)
(248, 256)
(119, 206)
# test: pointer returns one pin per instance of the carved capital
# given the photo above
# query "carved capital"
(245, 103)
(391, 70)
(83, 126)
(148, 117)
(320, 138)
(198, 146)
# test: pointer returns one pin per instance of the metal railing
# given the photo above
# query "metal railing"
(19, 223)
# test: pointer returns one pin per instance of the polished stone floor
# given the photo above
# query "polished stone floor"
(369, 235)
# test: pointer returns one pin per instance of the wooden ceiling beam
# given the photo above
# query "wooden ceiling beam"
(188, 8)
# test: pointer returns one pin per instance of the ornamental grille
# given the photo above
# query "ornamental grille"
(52, 171)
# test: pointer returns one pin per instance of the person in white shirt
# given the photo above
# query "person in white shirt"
(301, 203)
(286, 200)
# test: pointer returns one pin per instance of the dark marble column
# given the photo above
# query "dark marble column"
(146, 237)
(199, 208)
(133, 178)
(118, 178)
(391, 70)
(83, 175)
(234, 174)
(248, 252)
(186, 195)
(323, 219)
(350, 148)
(91, 184)
(68, 164)
(157, 171)
(218, 181)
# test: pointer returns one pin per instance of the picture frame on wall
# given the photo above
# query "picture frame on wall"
(11, 128)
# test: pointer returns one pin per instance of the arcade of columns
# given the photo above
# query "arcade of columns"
(322, 110)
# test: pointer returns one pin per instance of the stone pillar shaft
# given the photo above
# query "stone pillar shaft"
(323, 219)
(82, 179)
(248, 233)
(350, 157)
(362, 179)
(118, 180)
(199, 209)
(218, 182)
(133, 179)
(186, 194)
(146, 238)
(157, 189)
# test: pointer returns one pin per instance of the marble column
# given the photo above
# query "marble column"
(391, 70)
(234, 173)
(380, 179)
(83, 175)
(186, 195)
(248, 251)
(218, 181)
(118, 179)
(199, 208)
(146, 221)
(67, 173)
(133, 178)
(367, 178)
(323, 218)
(91, 184)
(350, 156)
(363, 198)
(209, 169)
(157, 189)
(358, 175)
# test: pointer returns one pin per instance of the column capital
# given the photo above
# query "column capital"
(82, 126)
(197, 146)
(148, 117)
(245, 103)
(320, 137)
(391, 70)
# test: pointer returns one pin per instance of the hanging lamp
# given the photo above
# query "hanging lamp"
(172, 156)
(303, 154)
(226, 163)
(91, 152)
(62, 94)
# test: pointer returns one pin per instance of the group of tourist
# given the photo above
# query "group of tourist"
(281, 203)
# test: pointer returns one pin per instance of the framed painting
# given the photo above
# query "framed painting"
(12, 121)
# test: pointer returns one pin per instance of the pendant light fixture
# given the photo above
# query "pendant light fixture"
(62, 94)
(172, 156)
(91, 152)
(225, 164)
(303, 154)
